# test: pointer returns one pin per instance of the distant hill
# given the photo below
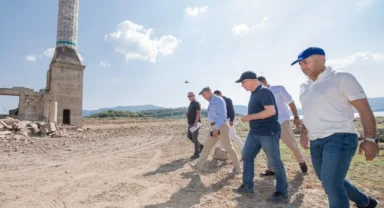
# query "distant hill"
(134, 108)
(155, 113)
(241, 109)
(377, 105)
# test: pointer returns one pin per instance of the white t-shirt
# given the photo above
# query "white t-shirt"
(282, 98)
(326, 103)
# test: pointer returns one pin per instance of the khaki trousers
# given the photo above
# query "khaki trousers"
(210, 142)
(288, 137)
(234, 137)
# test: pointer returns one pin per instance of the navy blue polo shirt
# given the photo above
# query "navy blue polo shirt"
(261, 97)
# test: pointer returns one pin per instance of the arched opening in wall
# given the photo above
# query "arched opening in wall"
(9, 106)
(67, 116)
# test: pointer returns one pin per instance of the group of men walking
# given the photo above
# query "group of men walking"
(327, 99)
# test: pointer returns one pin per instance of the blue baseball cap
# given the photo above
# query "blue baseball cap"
(309, 52)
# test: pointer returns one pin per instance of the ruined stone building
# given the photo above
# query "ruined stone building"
(62, 99)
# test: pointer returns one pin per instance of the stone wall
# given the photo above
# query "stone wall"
(31, 103)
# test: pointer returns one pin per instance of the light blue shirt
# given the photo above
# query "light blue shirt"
(217, 111)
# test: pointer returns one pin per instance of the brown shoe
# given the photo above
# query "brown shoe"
(267, 173)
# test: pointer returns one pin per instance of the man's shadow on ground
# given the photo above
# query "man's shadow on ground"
(192, 193)
(168, 167)
(261, 192)
(212, 166)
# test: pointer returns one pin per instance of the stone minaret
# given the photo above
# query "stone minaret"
(65, 74)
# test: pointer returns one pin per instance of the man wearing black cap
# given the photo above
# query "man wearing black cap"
(264, 133)
(328, 98)
(219, 129)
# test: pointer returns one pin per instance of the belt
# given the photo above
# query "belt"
(213, 123)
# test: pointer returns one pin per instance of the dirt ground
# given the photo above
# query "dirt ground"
(133, 163)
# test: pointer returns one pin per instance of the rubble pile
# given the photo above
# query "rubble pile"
(11, 128)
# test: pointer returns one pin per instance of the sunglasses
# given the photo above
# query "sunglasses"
(190, 95)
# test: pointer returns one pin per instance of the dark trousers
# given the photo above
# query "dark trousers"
(194, 138)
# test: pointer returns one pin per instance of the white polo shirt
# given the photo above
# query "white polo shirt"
(326, 103)
(282, 98)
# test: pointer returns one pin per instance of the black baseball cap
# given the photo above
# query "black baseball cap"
(247, 75)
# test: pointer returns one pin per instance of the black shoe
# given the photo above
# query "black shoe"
(303, 167)
(195, 156)
(372, 204)
(243, 190)
(201, 148)
(277, 197)
(267, 173)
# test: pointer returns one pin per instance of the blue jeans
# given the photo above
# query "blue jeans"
(331, 158)
(271, 147)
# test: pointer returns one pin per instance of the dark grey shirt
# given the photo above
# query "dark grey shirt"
(193, 107)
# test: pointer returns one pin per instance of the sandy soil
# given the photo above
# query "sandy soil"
(140, 163)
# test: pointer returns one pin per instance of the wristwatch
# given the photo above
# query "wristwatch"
(374, 140)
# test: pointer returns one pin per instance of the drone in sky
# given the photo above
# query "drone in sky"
(186, 82)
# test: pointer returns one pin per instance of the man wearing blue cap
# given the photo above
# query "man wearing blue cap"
(328, 99)
(264, 133)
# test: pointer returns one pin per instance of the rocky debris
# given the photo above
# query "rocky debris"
(26, 128)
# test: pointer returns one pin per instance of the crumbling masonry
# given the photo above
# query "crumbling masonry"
(62, 99)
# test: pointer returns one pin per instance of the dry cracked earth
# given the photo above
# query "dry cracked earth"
(132, 163)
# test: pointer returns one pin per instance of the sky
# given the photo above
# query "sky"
(141, 52)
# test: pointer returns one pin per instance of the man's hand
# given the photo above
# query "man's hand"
(371, 150)
(296, 121)
(245, 118)
(195, 124)
(304, 141)
(231, 123)
(186, 113)
(215, 133)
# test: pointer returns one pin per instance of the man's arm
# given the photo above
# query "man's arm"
(269, 110)
(267, 100)
(221, 110)
(355, 94)
(304, 137)
(197, 113)
(366, 117)
(231, 110)
(293, 108)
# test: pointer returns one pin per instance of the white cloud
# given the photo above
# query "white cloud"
(134, 42)
(242, 29)
(31, 58)
(105, 64)
(349, 60)
(49, 52)
(193, 12)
